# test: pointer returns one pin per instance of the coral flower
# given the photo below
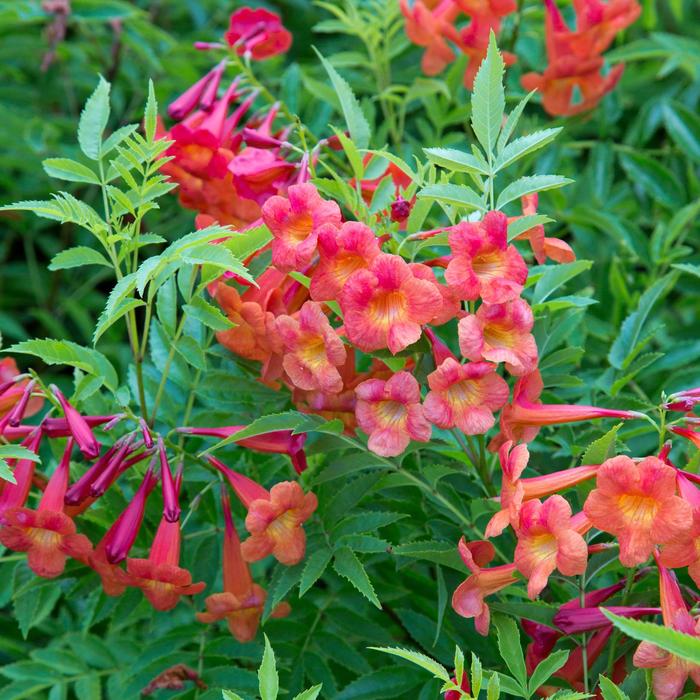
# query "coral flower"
(275, 517)
(543, 247)
(525, 415)
(468, 598)
(312, 349)
(385, 305)
(295, 221)
(391, 414)
(597, 24)
(12, 389)
(451, 305)
(259, 174)
(342, 251)
(257, 32)
(14, 495)
(637, 503)
(465, 396)
(684, 549)
(160, 577)
(241, 602)
(500, 333)
(47, 534)
(574, 64)
(669, 672)
(483, 264)
(550, 539)
(432, 29)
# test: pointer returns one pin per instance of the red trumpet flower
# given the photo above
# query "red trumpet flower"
(78, 426)
(47, 534)
(258, 33)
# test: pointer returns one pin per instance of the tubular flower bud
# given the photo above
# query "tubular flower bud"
(15, 495)
(171, 507)
(78, 426)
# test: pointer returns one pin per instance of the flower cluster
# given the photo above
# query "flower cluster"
(574, 80)
(648, 506)
(463, 24)
(48, 533)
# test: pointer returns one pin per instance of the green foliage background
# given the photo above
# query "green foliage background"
(632, 212)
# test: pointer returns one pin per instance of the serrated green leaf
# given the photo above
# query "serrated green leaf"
(523, 146)
(529, 185)
(208, 314)
(267, 674)
(6, 472)
(313, 569)
(230, 695)
(683, 125)
(610, 691)
(150, 119)
(601, 449)
(656, 179)
(70, 170)
(546, 668)
(510, 649)
(476, 674)
(493, 689)
(18, 452)
(454, 195)
(512, 122)
(354, 117)
(677, 643)
(93, 120)
(632, 326)
(77, 257)
(415, 657)
(310, 694)
(347, 565)
(554, 276)
(525, 223)
(454, 160)
(488, 99)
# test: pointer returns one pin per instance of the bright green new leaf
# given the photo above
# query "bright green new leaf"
(529, 185)
(267, 674)
(415, 657)
(347, 564)
(70, 170)
(488, 98)
(77, 257)
(93, 120)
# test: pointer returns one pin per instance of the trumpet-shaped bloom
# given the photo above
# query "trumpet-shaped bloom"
(295, 221)
(160, 577)
(451, 305)
(550, 539)
(543, 247)
(574, 65)
(465, 396)
(258, 173)
(312, 349)
(468, 598)
(500, 333)
(638, 504)
(47, 534)
(684, 548)
(275, 517)
(432, 28)
(597, 24)
(241, 602)
(483, 264)
(15, 495)
(11, 389)
(257, 32)
(391, 414)
(669, 672)
(385, 305)
(522, 419)
(516, 490)
(342, 251)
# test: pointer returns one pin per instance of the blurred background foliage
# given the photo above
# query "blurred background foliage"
(633, 211)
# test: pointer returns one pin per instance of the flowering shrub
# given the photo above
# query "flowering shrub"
(366, 397)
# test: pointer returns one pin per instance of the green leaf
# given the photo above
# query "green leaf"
(415, 657)
(208, 314)
(150, 120)
(93, 120)
(510, 649)
(488, 98)
(6, 472)
(554, 276)
(611, 691)
(230, 695)
(684, 127)
(310, 694)
(512, 122)
(431, 550)
(70, 170)
(288, 420)
(476, 674)
(525, 223)
(677, 643)
(529, 185)
(656, 179)
(267, 674)
(313, 569)
(455, 195)
(493, 690)
(454, 160)
(88, 688)
(626, 342)
(77, 257)
(114, 139)
(18, 452)
(166, 306)
(66, 352)
(601, 449)
(522, 146)
(546, 668)
(244, 243)
(218, 256)
(354, 118)
(347, 564)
